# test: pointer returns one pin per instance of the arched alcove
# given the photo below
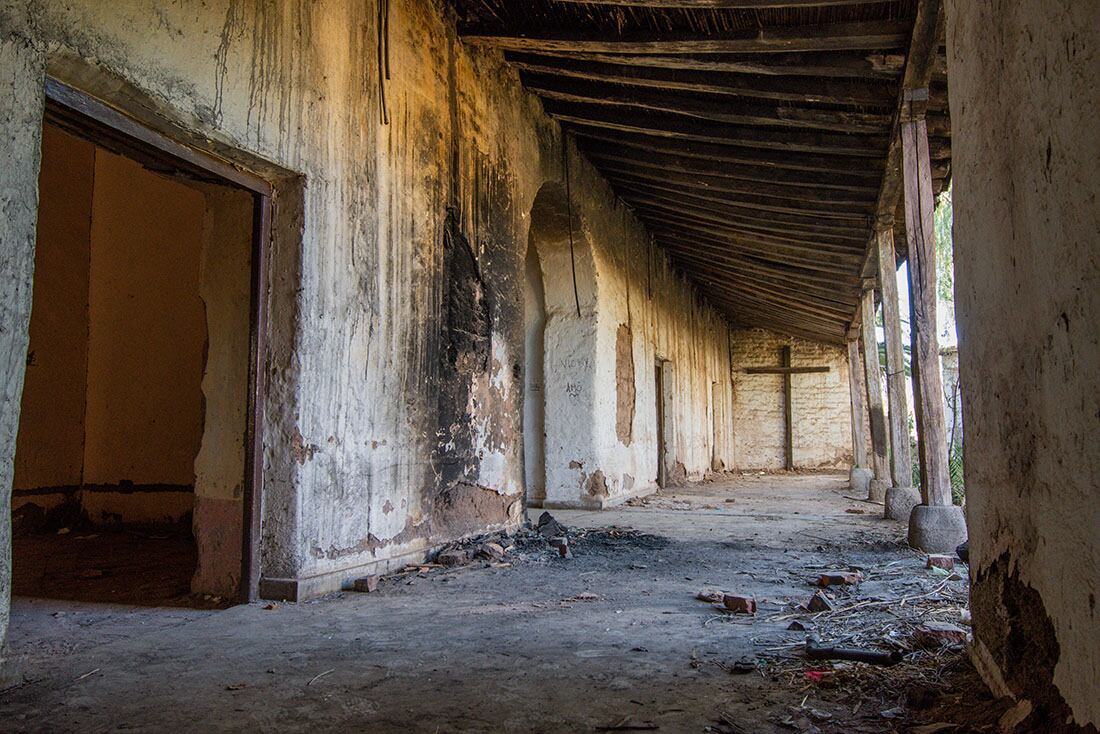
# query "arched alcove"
(560, 321)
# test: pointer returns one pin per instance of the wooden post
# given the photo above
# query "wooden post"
(855, 387)
(879, 447)
(901, 459)
(919, 212)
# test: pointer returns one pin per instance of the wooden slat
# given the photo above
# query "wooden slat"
(703, 199)
(689, 128)
(759, 205)
(844, 240)
(851, 182)
(713, 153)
(733, 112)
(741, 4)
(838, 36)
(779, 197)
(818, 245)
(762, 254)
(827, 64)
(797, 277)
(790, 89)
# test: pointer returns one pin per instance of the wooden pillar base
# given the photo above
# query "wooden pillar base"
(937, 528)
(900, 502)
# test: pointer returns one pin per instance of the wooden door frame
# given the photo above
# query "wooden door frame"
(92, 119)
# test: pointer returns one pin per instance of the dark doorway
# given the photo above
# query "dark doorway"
(136, 462)
(662, 444)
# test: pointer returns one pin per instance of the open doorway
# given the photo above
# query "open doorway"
(135, 468)
(661, 376)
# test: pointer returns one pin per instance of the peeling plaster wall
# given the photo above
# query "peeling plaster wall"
(1025, 100)
(363, 467)
(821, 404)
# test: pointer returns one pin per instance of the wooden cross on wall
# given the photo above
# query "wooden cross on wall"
(786, 370)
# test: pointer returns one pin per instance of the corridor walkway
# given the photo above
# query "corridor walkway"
(611, 639)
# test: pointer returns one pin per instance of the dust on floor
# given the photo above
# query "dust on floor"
(613, 639)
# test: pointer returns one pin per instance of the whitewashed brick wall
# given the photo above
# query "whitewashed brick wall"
(822, 433)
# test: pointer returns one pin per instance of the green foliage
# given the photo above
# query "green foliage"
(945, 260)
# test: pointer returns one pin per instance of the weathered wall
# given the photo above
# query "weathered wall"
(821, 404)
(1025, 100)
(388, 429)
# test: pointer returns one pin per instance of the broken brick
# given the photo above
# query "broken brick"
(938, 634)
(492, 551)
(366, 584)
(453, 557)
(739, 604)
(937, 560)
(713, 596)
(840, 579)
(562, 546)
(819, 603)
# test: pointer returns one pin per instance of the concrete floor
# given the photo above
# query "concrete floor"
(485, 649)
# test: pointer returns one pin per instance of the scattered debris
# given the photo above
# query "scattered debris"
(819, 603)
(746, 664)
(490, 550)
(583, 596)
(797, 626)
(92, 573)
(367, 584)
(548, 527)
(817, 651)
(936, 560)
(271, 606)
(855, 511)
(319, 676)
(739, 604)
(628, 724)
(937, 634)
(840, 579)
(712, 596)
(236, 686)
(453, 557)
(963, 551)
(562, 545)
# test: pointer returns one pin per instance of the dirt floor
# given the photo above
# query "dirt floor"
(612, 639)
(148, 567)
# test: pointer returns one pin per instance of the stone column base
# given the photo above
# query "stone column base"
(858, 481)
(900, 502)
(876, 492)
(937, 529)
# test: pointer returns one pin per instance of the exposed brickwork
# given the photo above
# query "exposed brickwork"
(822, 405)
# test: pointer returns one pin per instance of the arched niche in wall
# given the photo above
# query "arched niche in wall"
(559, 450)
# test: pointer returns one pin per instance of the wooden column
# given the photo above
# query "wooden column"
(855, 387)
(788, 408)
(901, 459)
(919, 210)
(879, 446)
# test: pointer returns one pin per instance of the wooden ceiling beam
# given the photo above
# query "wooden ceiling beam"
(872, 35)
(852, 182)
(712, 153)
(720, 242)
(735, 4)
(795, 276)
(826, 64)
(778, 197)
(850, 237)
(871, 93)
(730, 207)
(689, 128)
(841, 256)
(715, 109)
(707, 197)
(773, 281)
